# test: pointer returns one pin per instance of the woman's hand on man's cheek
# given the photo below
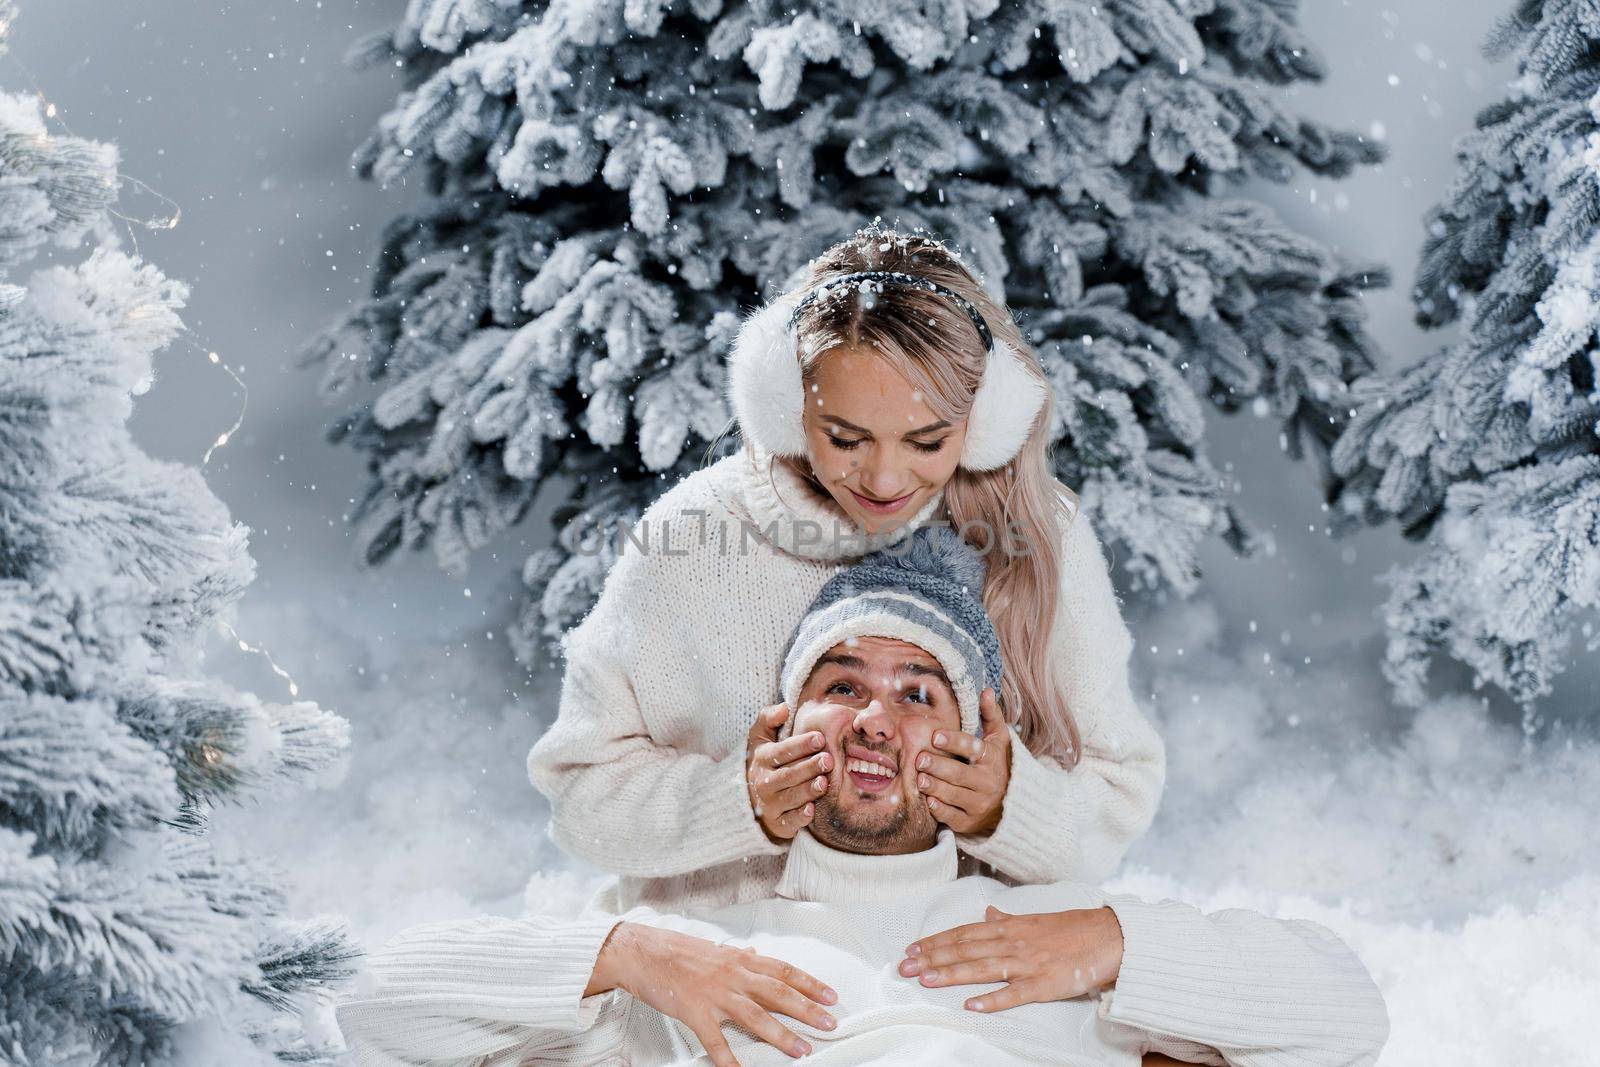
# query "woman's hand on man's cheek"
(964, 778)
(784, 777)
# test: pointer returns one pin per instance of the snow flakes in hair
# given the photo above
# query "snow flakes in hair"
(767, 394)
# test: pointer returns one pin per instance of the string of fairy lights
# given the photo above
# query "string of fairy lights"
(185, 335)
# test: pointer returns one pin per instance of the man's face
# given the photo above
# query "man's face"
(877, 702)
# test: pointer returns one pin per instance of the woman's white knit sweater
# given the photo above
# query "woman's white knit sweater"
(644, 766)
(1230, 987)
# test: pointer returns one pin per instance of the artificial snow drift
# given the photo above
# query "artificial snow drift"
(1452, 851)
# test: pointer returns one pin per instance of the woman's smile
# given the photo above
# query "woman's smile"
(882, 507)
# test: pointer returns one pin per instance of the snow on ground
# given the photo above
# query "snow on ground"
(430, 815)
(1455, 854)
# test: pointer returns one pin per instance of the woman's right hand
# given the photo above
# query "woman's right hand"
(786, 776)
(702, 985)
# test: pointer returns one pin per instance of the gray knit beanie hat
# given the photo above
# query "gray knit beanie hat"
(926, 590)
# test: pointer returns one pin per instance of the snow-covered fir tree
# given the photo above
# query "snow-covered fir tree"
(128, 935)
(1489, 448)
(613, 185)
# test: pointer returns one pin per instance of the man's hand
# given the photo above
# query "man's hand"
(967, 794)
(704, 985)
(1055, 955)
(784, 776)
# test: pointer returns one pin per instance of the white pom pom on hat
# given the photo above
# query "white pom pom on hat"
(768, 397)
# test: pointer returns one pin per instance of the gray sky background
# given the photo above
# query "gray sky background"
(243, 116)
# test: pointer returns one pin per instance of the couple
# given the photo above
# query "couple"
(957, 757)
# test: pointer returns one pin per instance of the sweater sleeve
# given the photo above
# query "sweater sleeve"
(618, 798)
(1259, 992)
(1075, 824)
(483, 992)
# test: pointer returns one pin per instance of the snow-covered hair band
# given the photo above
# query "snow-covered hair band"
(768, 396)
(896, 277)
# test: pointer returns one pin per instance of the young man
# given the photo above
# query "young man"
(874, 949)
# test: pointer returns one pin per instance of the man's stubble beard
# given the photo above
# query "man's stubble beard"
(835, 827)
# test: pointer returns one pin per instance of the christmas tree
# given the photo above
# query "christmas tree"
(1489, 448)
(127, 934)
(612, 186)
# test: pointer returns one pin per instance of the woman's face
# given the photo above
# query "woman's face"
(873, 442)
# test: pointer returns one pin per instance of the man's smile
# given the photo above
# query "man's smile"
(871, 772)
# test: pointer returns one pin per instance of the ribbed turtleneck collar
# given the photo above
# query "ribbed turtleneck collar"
(804, 521)
(818, 873)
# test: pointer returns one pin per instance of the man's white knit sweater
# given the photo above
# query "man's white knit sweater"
(1231, 987)
(645, 764)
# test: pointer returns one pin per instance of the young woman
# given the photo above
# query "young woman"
(902, 394)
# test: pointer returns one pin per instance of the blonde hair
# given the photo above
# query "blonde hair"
(930, 341)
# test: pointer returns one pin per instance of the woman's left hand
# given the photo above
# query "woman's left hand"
(967, 795)
(1055, 955)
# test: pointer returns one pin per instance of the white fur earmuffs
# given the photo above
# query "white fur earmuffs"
(767, 395)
